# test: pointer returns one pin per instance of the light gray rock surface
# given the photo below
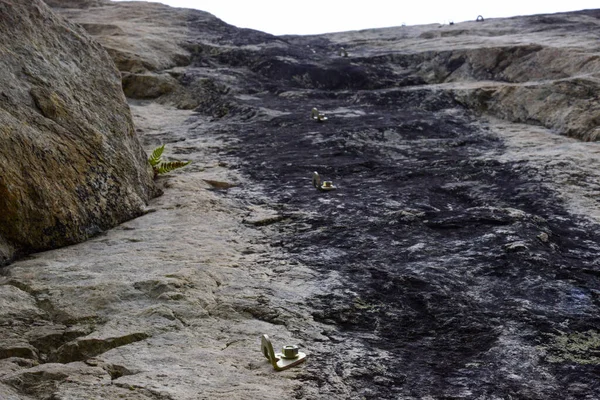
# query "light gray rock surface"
(71, 162)
(165, 306)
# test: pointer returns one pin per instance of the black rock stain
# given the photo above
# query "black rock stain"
(437, 242)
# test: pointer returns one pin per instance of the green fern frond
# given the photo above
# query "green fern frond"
(156, 156)
(171, 165)
(161, 167)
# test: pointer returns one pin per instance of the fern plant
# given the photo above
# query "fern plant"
(159, 166)
(156, 156)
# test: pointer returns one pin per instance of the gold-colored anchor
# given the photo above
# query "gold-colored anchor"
(288, 358)
(317, 116)
(325, 185)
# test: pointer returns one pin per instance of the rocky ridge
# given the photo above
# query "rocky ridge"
(457, 259)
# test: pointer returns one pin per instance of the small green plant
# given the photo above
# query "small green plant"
(161, 167)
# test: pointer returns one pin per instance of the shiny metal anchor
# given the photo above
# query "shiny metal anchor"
(317, 116)
(324, 186)
(290, 356)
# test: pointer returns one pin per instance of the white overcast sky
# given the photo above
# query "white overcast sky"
(304, 17)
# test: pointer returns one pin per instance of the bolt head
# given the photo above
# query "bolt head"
(290, 351)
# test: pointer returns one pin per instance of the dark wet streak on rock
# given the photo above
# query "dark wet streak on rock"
(436, 240)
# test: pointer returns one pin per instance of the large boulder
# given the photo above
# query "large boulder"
(71, 164)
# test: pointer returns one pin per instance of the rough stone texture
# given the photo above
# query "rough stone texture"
(458, 258)
(140, 39)
(148, 45)
(502, 67)
(71, 162)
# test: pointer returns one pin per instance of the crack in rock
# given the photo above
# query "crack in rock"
(85, 348)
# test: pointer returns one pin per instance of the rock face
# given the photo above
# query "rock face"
(457, 259)
(147, 44)
(71, 163)
(524, 70)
